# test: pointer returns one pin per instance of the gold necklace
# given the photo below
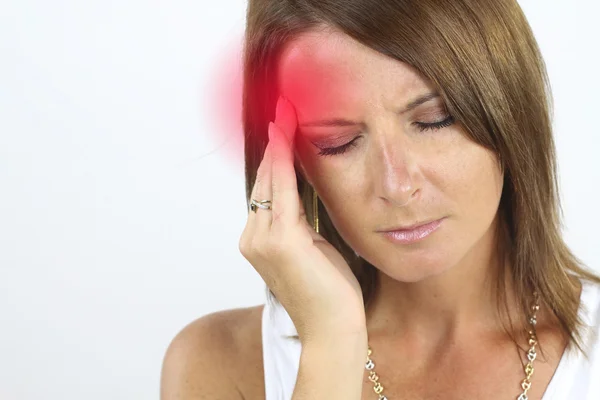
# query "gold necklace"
(531, 354)
(528, 369)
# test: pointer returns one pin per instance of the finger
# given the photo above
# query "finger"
(260, 221)
(285, 118)
(284, 189)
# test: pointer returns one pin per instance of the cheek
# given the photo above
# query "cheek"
(338, 190)
(342, 193)
(473, 180)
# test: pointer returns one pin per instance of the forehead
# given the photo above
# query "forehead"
(322, 71)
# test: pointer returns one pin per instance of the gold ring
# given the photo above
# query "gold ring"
(264, 204)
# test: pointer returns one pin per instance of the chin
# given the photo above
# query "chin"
(415, 265)
(415, 273)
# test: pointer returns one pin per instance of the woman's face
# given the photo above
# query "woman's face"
(377, 164)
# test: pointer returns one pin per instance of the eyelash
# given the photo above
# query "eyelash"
(331, 151)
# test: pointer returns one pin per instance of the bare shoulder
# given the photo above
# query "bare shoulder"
(217, 356)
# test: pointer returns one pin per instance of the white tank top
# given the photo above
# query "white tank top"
(575, 377)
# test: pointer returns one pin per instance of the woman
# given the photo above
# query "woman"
(429, 263)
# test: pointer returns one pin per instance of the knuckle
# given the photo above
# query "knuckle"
(247, 245)
(244, 247)
(274, 246)
(251, 247)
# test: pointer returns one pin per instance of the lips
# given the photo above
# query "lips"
(419, 232)
(410, 227)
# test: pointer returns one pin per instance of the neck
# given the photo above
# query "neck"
(461, 300)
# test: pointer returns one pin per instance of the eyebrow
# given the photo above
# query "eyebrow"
(339, 122)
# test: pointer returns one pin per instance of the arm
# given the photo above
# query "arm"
(198, 364)
(332, 368)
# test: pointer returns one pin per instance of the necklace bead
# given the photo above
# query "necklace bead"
(528, 369)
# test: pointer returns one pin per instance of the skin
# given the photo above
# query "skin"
(434, 305)
(397, 174)
(433, 325)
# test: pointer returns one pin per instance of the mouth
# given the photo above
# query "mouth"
(412, 233)
(409, 227)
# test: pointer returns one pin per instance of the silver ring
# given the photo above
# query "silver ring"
(264, 204)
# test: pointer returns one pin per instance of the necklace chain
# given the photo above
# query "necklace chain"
(528, 369)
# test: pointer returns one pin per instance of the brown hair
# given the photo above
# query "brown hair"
(484, 60)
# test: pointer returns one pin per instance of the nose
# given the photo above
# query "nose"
(396, 173)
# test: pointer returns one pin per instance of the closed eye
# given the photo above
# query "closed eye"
(422, 126)
(435, 125)
(331, 151)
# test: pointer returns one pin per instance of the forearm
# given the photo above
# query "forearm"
(332, 368)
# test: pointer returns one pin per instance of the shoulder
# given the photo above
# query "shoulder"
(210, 358)
(589, 315)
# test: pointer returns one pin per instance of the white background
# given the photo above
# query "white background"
(121, 208)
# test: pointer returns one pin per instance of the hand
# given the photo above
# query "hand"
(309, 277)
